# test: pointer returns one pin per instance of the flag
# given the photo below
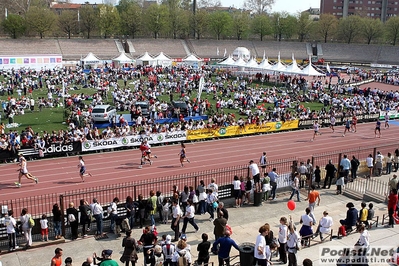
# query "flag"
(225, 52)
(200, 88)
(264, 54)
(278, 56)
(6, 13)
(293, 58)
(328, 68)
(217, 50)
(78, 16)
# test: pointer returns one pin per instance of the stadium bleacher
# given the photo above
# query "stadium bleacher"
(171, 47)
(74, 49)
(30, 46)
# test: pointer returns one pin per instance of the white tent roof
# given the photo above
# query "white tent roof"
(252, 63)
(240, 62)
(265, 64)
(293, 68)
(309, 70)
(162, 57)
(192, 58)
(146, 57)
(91, 59)
(279, 67)
(123, 58)
(229, 61)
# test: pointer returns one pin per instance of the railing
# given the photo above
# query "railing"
(367, 189)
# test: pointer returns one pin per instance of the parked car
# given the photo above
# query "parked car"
(103, 113)
(182, 105)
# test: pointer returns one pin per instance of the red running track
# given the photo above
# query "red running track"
(61, 175)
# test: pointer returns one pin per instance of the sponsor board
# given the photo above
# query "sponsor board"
(133, 141)
(338, 120)
(393, 114)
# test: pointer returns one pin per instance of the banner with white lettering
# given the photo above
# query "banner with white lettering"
(133, 141)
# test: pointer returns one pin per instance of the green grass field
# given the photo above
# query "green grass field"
(50, 119)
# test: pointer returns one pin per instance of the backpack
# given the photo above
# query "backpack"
(342, 230)
(71, 218)
(31, 222)
(248, 185)
(182, 261)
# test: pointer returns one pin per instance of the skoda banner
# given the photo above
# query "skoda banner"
(133, 141)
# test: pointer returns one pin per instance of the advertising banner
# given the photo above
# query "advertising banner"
(37, 62)
(133, 141)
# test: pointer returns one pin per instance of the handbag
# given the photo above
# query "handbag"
(195, 198)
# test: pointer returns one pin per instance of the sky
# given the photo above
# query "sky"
(291, 6)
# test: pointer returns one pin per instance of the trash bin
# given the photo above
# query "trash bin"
(247, 254)
(258, 198)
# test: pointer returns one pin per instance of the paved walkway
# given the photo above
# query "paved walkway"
(244, 221)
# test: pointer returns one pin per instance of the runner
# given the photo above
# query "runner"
(347, 126)
(23, 171)
(377, 128)
(386, 117)
(183, 156)
(316, 128)
(332, 122)
(354, 123)
(82, 171)
(144, 155)
(149, 150)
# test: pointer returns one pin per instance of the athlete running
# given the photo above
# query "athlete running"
(23, 171)
(82, 170)
(183, 156)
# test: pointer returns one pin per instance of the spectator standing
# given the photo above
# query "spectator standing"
(317, 176)
(263, 162)
(295, 187)
(219, 225)
(168, 250)
(396, 160)
(237, 191)
(340, 180)
(44, 227)
(363, 244)
(214, 187)
(148, 240)
(392, 203)
(57, 259)
(390, 160)
(354, 166)
(313, 196)
(201, 197)
(129, 245)
(113, 213)
(189, 217)
(97, 211)
(379, 159)
(85, 216)
(159, 205)
(282, 239)
(303, 171)
(141, 206)
(210, 200)
(183, 198)
(176, 215)
(72, 215)
(262, 251)
(393, 183)
(273, 182)
(292, 244)
(203, 250)
(370, 165)
(130, 210)
(225, 244)
(11, 224)
(57, 220)
(253, 169)
(26, 229)
(222, 209)
(153, 200)
(346, 166)
(330, 173)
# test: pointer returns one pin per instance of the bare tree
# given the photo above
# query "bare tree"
(258, 6)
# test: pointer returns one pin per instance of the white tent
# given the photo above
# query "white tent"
(279, 67)
(122, 59)
(240, 62)
(252, 63)
(309, 70)
(265, 65)
(91, 60)
(163, 60)
(193, 61)
(145, 59)
(229, 61)
(293, 68)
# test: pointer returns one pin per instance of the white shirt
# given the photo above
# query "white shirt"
(10, 223)
(96, 208)
(214, 188)
(282, 233)
(260, 242)
(369, 162)
(325, 224)
(254, 169)
(306, 219)
(236, 184)
(43, 223)
(190, 211)
(176, 211)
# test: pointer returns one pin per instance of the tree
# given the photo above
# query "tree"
(220, 23)
(178, 20)
(258, 6)
(68, 22)
(283, 24)
(327, 25)
(241, 22)
(131, 19)
(303, 26)
(40, 20)
(371, 28)
(261, 25)
(199, 22)
(209, 3)
(14, 25)
(156, 18)
(88, 19)
(349, 28)
(108, 20)
(392, 30)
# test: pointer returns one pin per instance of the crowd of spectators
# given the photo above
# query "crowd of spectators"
(238, 100)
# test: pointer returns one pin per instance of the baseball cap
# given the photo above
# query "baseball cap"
(168, 238)
(183, 237)
(107, 252)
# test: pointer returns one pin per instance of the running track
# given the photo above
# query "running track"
(60, 175)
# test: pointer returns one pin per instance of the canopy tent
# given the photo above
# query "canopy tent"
(309, 70)
(240, 63)
(252, 63)
(91, 60)
(193, 60)
(229, 61)
(145, 59)
(163, 60)
(265, 65)
(122, 59)
(293, 68)
(279, 67)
